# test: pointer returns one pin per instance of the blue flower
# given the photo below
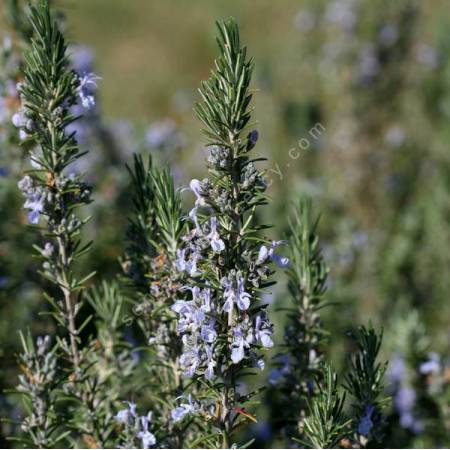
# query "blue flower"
(34, 198)
(242, 297)
(125, 414)
(82, 59)
(36, 205)
(148, 439)
(241, 341)
(277, 374)
(210, 362)
(88, 84)
(365, 424)
(190, 360)
(196, 188)
(263, 331)
(252, 138)
(208, 333)
(180, 262)
(265, 253)
(236, 295)
(193, 217)
(432, 366)
(21, 121)
(184, 408)
(228, 294)
(397, 371)
(217, 244)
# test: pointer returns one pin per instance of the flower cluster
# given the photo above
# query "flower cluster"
(199, 316)
(35, 198)
(196, 325)
(185, 408)
(87, 85)
(404, 395)
(37, 383)
(223, 262)
(135, 427)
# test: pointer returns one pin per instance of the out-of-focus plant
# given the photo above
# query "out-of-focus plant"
(305, 336)
(315, 416)
(364, 382)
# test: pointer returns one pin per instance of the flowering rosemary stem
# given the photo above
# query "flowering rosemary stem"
(49, 90)
(225, 265)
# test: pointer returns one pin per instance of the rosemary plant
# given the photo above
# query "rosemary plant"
(195, 282)
(53, 194)
(38, 383)
(364, 382)
(326, 426)
(154, 235)
(224, 260)
(305, 336)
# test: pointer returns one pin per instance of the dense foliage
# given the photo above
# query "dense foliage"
(138, 310)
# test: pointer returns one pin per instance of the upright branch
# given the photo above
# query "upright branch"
(299, 367)
(364, 382)
(38, 382)
(54, 192)
(224, 262)
(326, 425)
(154, 235)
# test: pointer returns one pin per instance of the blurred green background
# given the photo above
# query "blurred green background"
(384, 133)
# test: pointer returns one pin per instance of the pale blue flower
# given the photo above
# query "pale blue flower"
(148, 439)
(34, 198)
(19, 119)
(190, 360)
(229, 294)
(262, 255)
(122, 416)
(236, 295)
(241, 341)
(210, 362)
(432, 366)
(237, 352)
(88, 84)
(180, 262)
(194, 218)
(184, 409)
(36, 205)
(82, 59)
(242, 297)
(196, 188)
(263, 331)
(365, 423)
(265, 253)
(208, 333)
(125, 414)
(217, 244)
(396, 370)
(206, 305)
